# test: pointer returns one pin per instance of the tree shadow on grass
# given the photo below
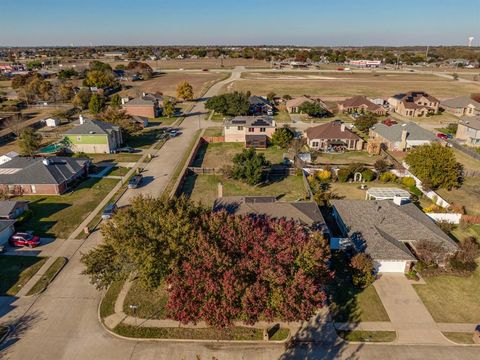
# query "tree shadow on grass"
(42, 209)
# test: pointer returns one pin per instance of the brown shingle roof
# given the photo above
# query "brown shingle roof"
(331, 130)
(358, 101)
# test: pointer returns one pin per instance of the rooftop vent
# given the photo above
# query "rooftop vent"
(46, 161)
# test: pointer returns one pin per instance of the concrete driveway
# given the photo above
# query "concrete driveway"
(408, 314)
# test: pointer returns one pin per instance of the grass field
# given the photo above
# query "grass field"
(347, 157)
(167, 83)
(217, 155)
(452, 299)
(151, 304)
(15, 271)
(207, 63)
(204, 188)
(467, 195)
(58, 215)
(344, 85)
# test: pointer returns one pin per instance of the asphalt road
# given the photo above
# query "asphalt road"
(62, 323)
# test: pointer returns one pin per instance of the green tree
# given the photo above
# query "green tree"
(363, 269)
(185, 91)
(95, 104)
(82, 99)
(312, 108)
(271, 95)
(100, 79)
(121, 119)
(435, 164)
(168, 107)
(232, 104)
(365, 122)
(99, 66)
(29, 141)
(248, 166)
(282, 137)
(115, 101)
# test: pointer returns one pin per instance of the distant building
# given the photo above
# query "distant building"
(461, 106)
(401, 137)
(254, 131)
(94, 137)
(468, 131)
(333, 136)
(366, 63)
(414, 104)
(360, 104)
(51, 122)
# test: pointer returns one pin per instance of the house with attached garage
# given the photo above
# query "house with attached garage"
(94, 137)
(461, 106)
(293, 105)
(333, 136)
(401, 137)
(386, 230)
(468, 131)
(254, 131)
(414, 104)
(41, 176)
(361, 105)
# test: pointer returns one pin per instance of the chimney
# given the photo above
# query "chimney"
(82, 121)
(220, 190)
(123, 101)
(398, 200)
(46, 161)
(144, 94)
(342, 127)
(403, 141)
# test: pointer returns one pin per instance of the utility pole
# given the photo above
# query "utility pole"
(426, 54)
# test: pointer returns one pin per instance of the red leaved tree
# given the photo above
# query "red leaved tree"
(247, 268)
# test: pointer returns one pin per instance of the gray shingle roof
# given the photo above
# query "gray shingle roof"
(7, 206)
(472, 122)
(92, 127)
(305, 212)
(386, 227)
(394, 132)
(27, 170)
(461, 102)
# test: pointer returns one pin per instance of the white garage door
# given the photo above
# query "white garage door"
(391, 266)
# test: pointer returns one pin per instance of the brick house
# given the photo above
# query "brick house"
(360, 104)
(414, 104)
(461, 106)
(293, 105)
(41, 176)
(147, 105)
(254, 131)
(333, 136)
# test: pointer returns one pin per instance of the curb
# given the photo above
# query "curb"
(51, 280)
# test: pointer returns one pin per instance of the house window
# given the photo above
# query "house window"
(11, 188)
(262, 129)
(315, 144)
(240, 128)
(251, 130)
(79, 138)
(34, 189)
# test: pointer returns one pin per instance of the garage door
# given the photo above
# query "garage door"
(391, 266)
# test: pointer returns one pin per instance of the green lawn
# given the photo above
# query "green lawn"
(47, 278)
(282, 117)
(347, 157)
(15, 271)
(367, 336)
(234, 333)
(452, 299)
(459, 337)
(218, 117)
(107, 306)
(218, 155)
(59, 215)
(216, 131)
(118, 171)
(467, 195)
(144, 139)
(122, 157)
(203, 188)
(151, 304)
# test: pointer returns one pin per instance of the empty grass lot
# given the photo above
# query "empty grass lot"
(217, 155)
(213, 132)
(59, 215)
(467, 195)
(15, 271)
(335, 85)
(347, 157)
(203, 188)
(452, 299)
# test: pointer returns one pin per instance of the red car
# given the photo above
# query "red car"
(24, 239)
(442, 136)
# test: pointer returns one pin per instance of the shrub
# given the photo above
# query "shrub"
(415, 191)
(368, 175)
(343, 175)
(431, 253)
(324, 175)
(388, 177)
(363, 269)
(412, 275)
(408, 181)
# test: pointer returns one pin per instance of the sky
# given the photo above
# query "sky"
(239, 22)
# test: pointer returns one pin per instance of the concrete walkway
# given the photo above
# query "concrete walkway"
(407, 313)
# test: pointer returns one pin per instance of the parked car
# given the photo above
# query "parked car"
(24, 239)
(126, 149)
(135, 181)
(442, 136)
(109, 211)
(174, 133)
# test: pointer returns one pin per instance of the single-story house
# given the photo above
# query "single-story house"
(41, 176)
(401, 137)
(360, 104)
(94, 137)
(461, 106)
(254, 131)
(414, 104)
(260, 105)
(8, 156)
(333, 136)
(293, 105)
(386, 231)
(140, 120)
(148, 105)
(6, 230)
(305, 212)
(10, 209)
(468, 131)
